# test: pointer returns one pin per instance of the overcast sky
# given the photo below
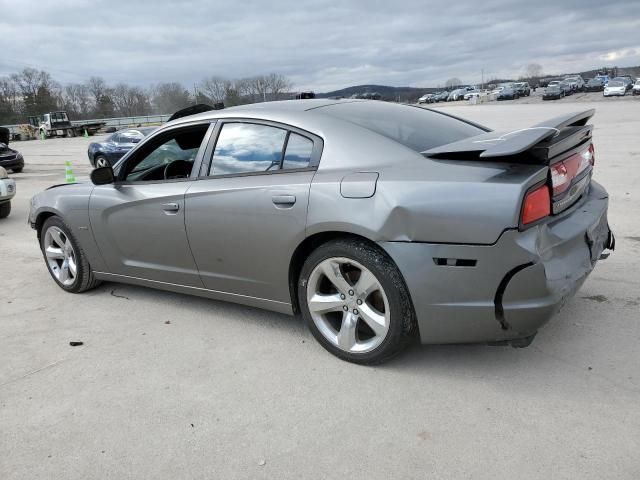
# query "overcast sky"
(319, 44)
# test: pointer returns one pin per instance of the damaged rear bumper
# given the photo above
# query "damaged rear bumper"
(506, 291)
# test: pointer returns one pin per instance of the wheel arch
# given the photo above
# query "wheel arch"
(308, 245)
(41, 218)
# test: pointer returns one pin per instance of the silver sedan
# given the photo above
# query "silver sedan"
(378, 222)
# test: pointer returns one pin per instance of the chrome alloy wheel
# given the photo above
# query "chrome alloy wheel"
(348, 305)
(61, 256)
(101, 162)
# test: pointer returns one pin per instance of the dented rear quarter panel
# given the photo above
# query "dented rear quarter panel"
(424, 200)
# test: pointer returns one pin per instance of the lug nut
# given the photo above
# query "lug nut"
(355, 311)
(350, 292)
(342, 296)
(359, 302)
(345, 308)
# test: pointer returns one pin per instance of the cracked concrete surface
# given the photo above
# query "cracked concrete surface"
(225, 391)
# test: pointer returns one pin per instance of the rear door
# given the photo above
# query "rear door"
(247, 213)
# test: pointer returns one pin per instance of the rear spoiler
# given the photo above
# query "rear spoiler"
(541, 142)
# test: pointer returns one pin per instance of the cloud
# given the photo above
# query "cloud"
(319, 44)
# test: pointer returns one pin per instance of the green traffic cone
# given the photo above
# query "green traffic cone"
(42, 135)
(68, 173)
(85, 133)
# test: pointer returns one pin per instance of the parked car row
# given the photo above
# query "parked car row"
(462, 93)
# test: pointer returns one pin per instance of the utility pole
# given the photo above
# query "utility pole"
(482, 86)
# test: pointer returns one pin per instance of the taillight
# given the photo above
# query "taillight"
(536, 205)
(592, 151)
(563, 173)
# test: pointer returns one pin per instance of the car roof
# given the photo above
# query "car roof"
(266, 109)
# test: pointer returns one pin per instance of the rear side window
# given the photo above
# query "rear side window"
(298, 152)
(417, 128)
(247, 148)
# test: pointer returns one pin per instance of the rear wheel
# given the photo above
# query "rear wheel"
(65, 259)
(5, 209)
(355, 302)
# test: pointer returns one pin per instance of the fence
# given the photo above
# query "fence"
(118, 123)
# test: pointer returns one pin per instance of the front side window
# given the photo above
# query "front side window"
(298, 152)
(169, 156)
(247, 148)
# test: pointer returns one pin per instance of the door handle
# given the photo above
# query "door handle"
(170, 207)
(285, 200)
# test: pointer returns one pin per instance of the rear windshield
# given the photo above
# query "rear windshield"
(414, 127)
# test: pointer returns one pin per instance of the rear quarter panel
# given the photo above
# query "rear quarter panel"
(425, 200)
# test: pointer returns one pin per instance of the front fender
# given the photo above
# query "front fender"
(71, 204)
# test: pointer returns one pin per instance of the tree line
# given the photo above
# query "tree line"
(34, 92)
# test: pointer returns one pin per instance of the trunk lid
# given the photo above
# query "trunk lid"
(563, 144)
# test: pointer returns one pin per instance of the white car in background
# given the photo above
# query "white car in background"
(615, 88)
(576, 82)
(7, 192)
(636, 87)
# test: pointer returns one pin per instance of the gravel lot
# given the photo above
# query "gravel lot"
(225, 391)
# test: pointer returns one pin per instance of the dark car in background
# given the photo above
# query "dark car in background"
(523, 88)
(594, 85)
(9, 158)
(567, 87)
(553, 92)
(443, 96)
(112, 149)
(508, 93)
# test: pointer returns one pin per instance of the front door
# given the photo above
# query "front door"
(138, 222)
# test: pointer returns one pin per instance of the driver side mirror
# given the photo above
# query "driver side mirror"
(102, 176)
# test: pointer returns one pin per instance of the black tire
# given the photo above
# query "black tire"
(85, 279)
(5, 209)
(402, 323)
(17, 169)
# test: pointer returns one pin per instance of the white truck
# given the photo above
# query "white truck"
(7, 192)
(57, 124)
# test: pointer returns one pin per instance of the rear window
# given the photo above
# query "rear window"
(417, 128)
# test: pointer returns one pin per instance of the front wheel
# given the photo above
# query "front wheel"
(355, 302)
(17, 169)
(65, 259)
(101, 161)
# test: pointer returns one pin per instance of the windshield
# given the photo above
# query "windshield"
(615, 83)
(416, 128)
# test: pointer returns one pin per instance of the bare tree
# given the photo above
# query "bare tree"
(533, 70)
(259, 86)
(278, 84)
(10, 100)
(97, 87)
(130, 101)
(214, 88)
(170, 97)
(76, 99)
(453, 82)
